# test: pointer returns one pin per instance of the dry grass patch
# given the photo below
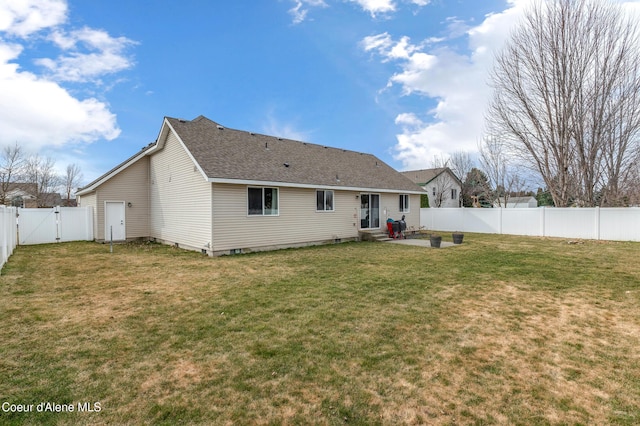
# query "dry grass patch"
(501, 330)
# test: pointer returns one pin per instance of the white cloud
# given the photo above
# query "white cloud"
(455, 80)
(301, 8)
(24, 17)
(376, 7)
(275, 127)
(387, 48)
(632, 7)
(380, 42)
(105, 55)
(36, 111)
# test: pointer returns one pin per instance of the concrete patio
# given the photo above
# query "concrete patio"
(421, 242)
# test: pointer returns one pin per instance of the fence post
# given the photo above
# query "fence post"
(464, 220)
(56, 211)
(5, 229)
(542, 221)
(597, 222)
(89, 227)
(14, 228)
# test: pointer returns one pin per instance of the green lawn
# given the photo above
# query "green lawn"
(500, 330)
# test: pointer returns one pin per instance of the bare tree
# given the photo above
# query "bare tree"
(461, 164)
(493, 159)
(501, 169)
(630, 185)
(41, 171)
(567, 97)
(11, 162)
(72, 180)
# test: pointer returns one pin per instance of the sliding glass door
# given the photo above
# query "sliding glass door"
(369, 211)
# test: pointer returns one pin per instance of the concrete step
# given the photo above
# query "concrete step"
(374, 236)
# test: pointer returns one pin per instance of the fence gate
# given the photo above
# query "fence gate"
(58, 224)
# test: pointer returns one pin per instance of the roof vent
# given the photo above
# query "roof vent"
(251, 133)
(182, 120)
(279, 139)
(286, 164)
(220, 127)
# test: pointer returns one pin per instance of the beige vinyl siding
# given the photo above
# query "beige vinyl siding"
(131, 185)
(90, 200)
(391, 202)
(298, 221)
(180, 198)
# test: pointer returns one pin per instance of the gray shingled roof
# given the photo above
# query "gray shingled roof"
(224, 153)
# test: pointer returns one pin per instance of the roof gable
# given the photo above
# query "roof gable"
(424, 176)
(21, 188)
(117, 169)
(228, 154)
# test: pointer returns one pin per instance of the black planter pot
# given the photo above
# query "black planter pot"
(435, 241)
(457, 237)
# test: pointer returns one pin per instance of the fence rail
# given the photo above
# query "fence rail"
(615, 224)
(8, 233)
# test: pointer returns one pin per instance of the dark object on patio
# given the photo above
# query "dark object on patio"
(457, 237)
(396, 228)
(435, 240)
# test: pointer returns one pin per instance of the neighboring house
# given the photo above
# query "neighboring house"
(49, 199)
(441, 184)
(20, 194)
(204, 187)
(519, 202)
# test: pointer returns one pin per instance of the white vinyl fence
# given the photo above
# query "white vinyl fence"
(8, 233)
(616, 224)
(58, 224)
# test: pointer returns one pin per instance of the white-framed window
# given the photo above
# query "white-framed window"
(324, 200)
(434, 191)
(454, 194)
(404, 203)
(262, 201)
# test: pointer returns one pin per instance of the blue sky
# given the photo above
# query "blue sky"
(89, 81)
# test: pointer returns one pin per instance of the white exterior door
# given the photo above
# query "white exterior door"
(114, 223)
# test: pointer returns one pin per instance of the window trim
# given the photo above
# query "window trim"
(262, 198)
(404, 207)
(454, 193)
(324, 203)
